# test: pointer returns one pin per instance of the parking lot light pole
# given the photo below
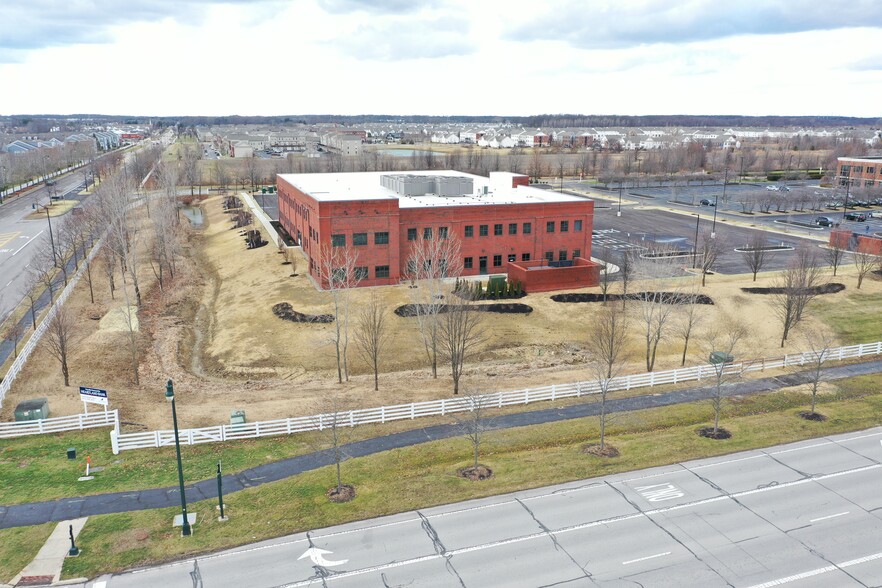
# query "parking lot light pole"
(619, 213)
(185, 522)
(717, 202)
(847, 188)
(695, 246)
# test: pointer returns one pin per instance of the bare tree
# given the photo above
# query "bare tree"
(60, 338)
(32, 290)
(627, 267)
(689, 318)
(755, 253)
(190, 165)
(371, 335)
(432, 261)
(607, 353)
(834, 254)
(656, 305)
(459, 332)
(337, 271)
(14, 334)
(864, 264)
(473, 423)
(708, 251)
(819, 344)
(794, 289)
(606, 275)
(720, 344)
(333, 431)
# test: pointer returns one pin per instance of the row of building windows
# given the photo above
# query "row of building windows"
(469, 262)
(526, 228)
(362, 272)
(359, 239)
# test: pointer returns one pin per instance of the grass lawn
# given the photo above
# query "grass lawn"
(423, 476)
(57, 208)
(853, 318)
(19, 546)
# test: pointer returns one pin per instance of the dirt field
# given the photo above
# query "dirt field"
(214, 333)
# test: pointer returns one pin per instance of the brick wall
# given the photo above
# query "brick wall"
(534, 277)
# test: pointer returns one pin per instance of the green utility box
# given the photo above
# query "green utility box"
(237, 417)
(721, 357)
(71, 453)
(32, 410)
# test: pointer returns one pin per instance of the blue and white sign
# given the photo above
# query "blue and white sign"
(93, 395)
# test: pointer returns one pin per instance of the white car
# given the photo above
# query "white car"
(772, 188)
(876, 214)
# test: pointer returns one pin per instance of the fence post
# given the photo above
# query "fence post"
(383, 414)
(553, 392)
(442, 406)
(412, 415)
(114, 442)
(80, 420)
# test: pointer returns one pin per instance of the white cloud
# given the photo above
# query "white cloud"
(443, 57)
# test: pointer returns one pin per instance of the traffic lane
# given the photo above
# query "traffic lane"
(840, 538)
(579, 506)
(748, 473)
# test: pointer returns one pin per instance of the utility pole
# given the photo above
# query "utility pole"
(695, 245)
(185, 521)
(717, 203)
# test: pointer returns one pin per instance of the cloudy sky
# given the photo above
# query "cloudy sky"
(441, 57)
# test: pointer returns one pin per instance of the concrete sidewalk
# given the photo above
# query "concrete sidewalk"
(45, 569)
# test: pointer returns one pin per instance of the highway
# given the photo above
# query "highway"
(804, 514)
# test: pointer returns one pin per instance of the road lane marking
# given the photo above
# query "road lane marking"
(660, 492)
(833, 516)
(630, 561)
(29, 241)
(817, 571)
(7, 237)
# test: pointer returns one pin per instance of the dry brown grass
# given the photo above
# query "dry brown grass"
(248, 358)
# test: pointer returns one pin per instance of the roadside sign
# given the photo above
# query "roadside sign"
(94, 396)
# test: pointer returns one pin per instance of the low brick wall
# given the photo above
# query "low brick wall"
(537, 276)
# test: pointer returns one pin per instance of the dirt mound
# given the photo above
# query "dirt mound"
(284, 311)
(410, 310)
(475, 474)
(344, 494)
(828, 288)
(664, 297)
(709, 433)
(812, 416)
(607, 451)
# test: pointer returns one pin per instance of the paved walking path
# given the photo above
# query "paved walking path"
(46, 567)
(69, 508)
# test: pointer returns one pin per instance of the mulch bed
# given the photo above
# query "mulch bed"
(284, 311)
(812, 416)
(709, 433)
(665, 298)
(607, 451)
(475, 474)
(346, 493)
(410, 310)
(828, 288)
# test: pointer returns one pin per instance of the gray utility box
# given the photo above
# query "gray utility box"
(32, 410)
(721, 357)
(237, 417)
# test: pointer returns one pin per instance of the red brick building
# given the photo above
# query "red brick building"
(499, 220)
(860, 172)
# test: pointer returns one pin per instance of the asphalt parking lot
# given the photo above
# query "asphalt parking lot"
(645, 229)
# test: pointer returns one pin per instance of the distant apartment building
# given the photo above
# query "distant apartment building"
(347, 145)
(860, 172)
(539, 237)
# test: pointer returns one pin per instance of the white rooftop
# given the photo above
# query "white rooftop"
(342, 187)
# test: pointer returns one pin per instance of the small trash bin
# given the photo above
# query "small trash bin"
(71, 453)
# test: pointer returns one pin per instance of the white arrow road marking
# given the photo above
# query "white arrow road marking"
(317, 557)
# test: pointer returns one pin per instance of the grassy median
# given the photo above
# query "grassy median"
(19, 546)
(425, 475)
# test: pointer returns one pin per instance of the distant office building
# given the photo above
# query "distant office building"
(860, 172)
(539, 237)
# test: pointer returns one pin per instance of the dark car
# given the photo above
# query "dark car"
(856, 216)
(50, 182)
(824, 221)
(706, 202)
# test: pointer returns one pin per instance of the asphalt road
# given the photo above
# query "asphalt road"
(18, 236)
(804, 514)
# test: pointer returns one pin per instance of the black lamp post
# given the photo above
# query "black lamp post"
(185, 523)
(716, 204)
(847, 188)
(695, 246)
(51, 236)
(619, 213)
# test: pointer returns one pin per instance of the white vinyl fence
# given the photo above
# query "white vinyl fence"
(384, 414)
(77, 422)
(28, 348)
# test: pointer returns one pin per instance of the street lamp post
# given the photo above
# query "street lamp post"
(695, 246)
(716, 204)
(619, 213)
(185, 522)
(847, 188)
(51, 236)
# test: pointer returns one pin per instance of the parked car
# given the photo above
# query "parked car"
(856, 216)
(706, 202)
(772, 188)
(824, 221)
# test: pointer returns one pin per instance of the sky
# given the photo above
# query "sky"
(441, 57)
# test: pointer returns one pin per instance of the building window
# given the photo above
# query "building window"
(528, 228)
(549, 227)
(361, 272)
(469, 231)
(525, 257)
(381, 271)
(564, 226)
(577, 253)
(577, 226)
(427, 233)
(482, 230)
(561, 255)
(411, 234)
(442, 232)
(411, 267)
(467, 263)
(511, 257)
(381, 238)
(870, 183)
(338, 276)
(497, 229)
(512, 228)
(871, 170)
(497, 261)
(338, 240)
(359, 238)
(549, 256)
